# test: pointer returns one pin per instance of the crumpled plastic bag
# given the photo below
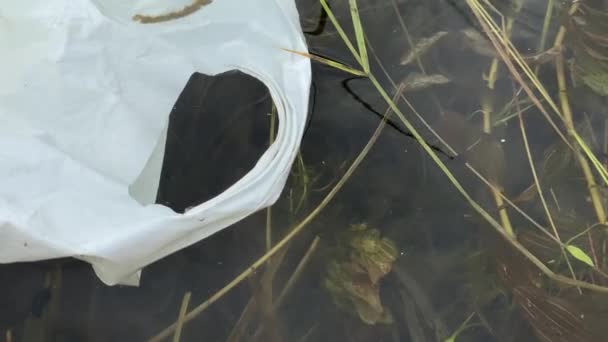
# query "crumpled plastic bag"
(85, 96)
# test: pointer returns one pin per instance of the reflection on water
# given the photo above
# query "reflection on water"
(398, 254)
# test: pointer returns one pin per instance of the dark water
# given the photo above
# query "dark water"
(448, 261)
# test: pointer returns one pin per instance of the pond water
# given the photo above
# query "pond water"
(398, 254)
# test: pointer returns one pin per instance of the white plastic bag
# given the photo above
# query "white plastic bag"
(85, 96)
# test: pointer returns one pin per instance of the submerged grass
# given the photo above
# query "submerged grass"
(509, 53)
(523, 74)
(484, 214)
(539, 189)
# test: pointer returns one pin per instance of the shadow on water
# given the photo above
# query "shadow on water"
(397, 255)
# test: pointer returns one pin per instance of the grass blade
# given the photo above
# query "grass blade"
(330, 63)
(334, 21)
(598, 165)
(354, 12)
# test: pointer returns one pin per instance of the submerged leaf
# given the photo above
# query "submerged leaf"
(588, 41)
(597, 82)
(478, 43)
(418, 81)
(580, 255)
(421, 47)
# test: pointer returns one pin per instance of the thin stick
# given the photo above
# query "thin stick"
(502, 211)
(511, 116)
(269, 209)
(407, 35)
(254, 303)
(541, 195)
(543, 35)
(587, 230)
(487, 106)
(462, 327)
(513, 205)
(546, 23)
(555, 199)
(182, 314)
(305, 182)
(282, 243)
(268, 228)
(605, 143)
(592, 247)
(243, 320)
(539, 189)
(567, 112)
(308, 333)
(291, 281)
(296, 273)
(247, 311)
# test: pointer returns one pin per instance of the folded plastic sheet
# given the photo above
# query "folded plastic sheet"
(85, 96)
